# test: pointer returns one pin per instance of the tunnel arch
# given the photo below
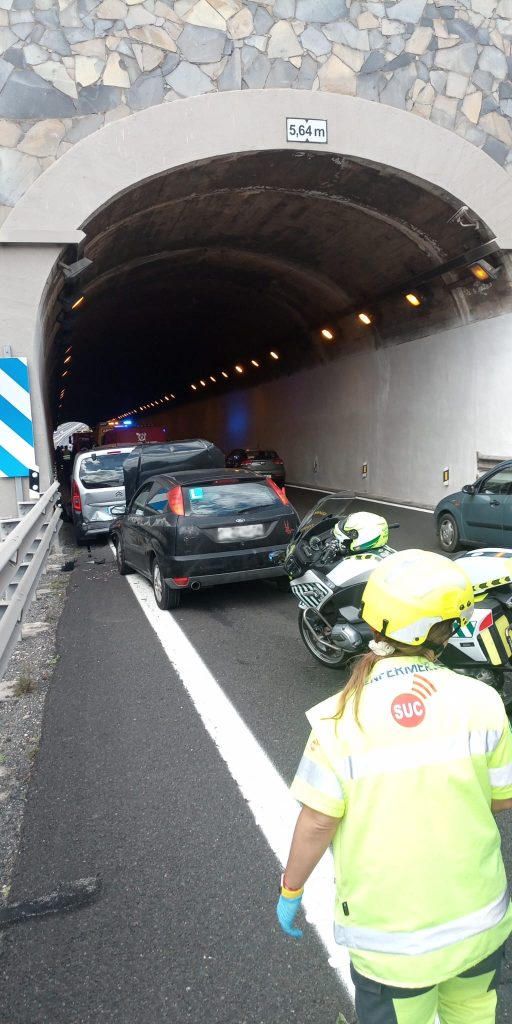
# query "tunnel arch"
(60, 206)
(152, 141)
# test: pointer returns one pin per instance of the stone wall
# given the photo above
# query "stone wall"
(67, 67)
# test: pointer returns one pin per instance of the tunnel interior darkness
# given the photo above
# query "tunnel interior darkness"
(218, 263)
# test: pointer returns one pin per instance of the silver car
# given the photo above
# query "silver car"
(97, 490)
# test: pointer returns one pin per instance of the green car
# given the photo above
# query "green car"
(480, 514)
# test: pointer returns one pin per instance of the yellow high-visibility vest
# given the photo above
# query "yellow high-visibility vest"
(421, 892)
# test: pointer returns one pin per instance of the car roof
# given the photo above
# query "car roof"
(189, 477)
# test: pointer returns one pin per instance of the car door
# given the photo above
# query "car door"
(134, 528)
(487, 510)
(159, 531)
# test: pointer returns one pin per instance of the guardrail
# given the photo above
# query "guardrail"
(22, 556)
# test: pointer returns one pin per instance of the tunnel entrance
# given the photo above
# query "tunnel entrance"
(263, 261)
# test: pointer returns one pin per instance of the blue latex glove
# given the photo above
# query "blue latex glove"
(286, 911)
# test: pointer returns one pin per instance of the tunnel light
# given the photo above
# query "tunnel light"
(193, 387)
(413, 299)
(274, 355)
(327, 334)
(224, 374)
(365, 318)
(173, 396)
(255, 362)
(202, 383)
(483, 270)
(214, 379)
(78, 302)
(166, 398)
(65, 373)
(67, 359)
(239, 369)
(68, 350)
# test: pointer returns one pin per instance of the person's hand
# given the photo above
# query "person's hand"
(287, 907)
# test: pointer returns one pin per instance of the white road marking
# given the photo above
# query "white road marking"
(362, 497)
(268, 797)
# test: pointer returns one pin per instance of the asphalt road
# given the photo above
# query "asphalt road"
(129, 785)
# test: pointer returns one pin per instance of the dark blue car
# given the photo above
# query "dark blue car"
(204, 527)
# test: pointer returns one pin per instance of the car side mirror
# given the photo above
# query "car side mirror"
(469, 489)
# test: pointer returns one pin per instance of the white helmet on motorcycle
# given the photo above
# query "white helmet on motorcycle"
(365, 529)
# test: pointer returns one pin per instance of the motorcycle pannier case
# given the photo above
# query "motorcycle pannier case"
(495, 640)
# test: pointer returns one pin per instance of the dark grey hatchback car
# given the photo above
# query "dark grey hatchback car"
(200, 528)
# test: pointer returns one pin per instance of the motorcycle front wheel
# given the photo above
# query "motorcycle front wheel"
(317, 639)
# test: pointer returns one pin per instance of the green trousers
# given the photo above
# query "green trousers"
(470, 998)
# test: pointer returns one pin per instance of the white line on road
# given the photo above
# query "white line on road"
(273, 809)
(362, 497)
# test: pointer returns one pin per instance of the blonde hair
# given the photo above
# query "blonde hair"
(363, 666)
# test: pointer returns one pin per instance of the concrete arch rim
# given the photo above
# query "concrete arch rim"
(159, 139)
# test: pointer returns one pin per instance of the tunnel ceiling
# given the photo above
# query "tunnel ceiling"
(221, 262)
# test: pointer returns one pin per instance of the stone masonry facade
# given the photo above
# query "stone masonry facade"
(68, 67)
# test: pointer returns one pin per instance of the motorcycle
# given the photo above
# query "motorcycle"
(328, 580)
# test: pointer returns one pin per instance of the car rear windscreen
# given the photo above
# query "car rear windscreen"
(105, 470)
(219, 499)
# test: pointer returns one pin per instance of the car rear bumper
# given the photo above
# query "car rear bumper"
(215, 580)
(210, 569)
(85, 528)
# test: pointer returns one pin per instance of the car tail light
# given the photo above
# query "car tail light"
(245, 462)
(486, 623)
(175, 499)
(278, 462)
(75, 497)
(280, 491)
(181, 581)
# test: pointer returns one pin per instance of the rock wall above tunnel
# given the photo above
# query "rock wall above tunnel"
(68, 67)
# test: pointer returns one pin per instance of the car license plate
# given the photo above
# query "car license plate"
(240, 532)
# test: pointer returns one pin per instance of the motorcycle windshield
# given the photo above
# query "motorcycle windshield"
(327, 512)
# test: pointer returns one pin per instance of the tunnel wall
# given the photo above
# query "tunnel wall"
(69, 67)
(409, 411)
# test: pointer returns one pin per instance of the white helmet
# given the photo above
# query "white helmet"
(366, 530)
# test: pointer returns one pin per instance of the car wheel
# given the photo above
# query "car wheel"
(318, 643)
(164, 596)
(80, 536)
(448, 532)
(123, 568)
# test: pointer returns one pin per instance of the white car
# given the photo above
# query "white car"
(97, 490)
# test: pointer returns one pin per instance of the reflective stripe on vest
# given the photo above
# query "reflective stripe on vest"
(437, 750)
(501, 776)
(426, 940)
(319, 778)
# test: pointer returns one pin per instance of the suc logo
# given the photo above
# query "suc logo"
(408, 709)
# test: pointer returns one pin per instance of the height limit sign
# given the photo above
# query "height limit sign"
(306, 129)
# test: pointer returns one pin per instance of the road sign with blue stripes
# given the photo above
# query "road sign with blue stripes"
(17, 456)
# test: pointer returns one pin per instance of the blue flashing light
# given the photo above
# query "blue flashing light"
(127, 423)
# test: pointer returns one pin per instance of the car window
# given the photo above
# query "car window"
(498, 483)
(103, 470)
(158, 501)
(140, 499)
(217, 499)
